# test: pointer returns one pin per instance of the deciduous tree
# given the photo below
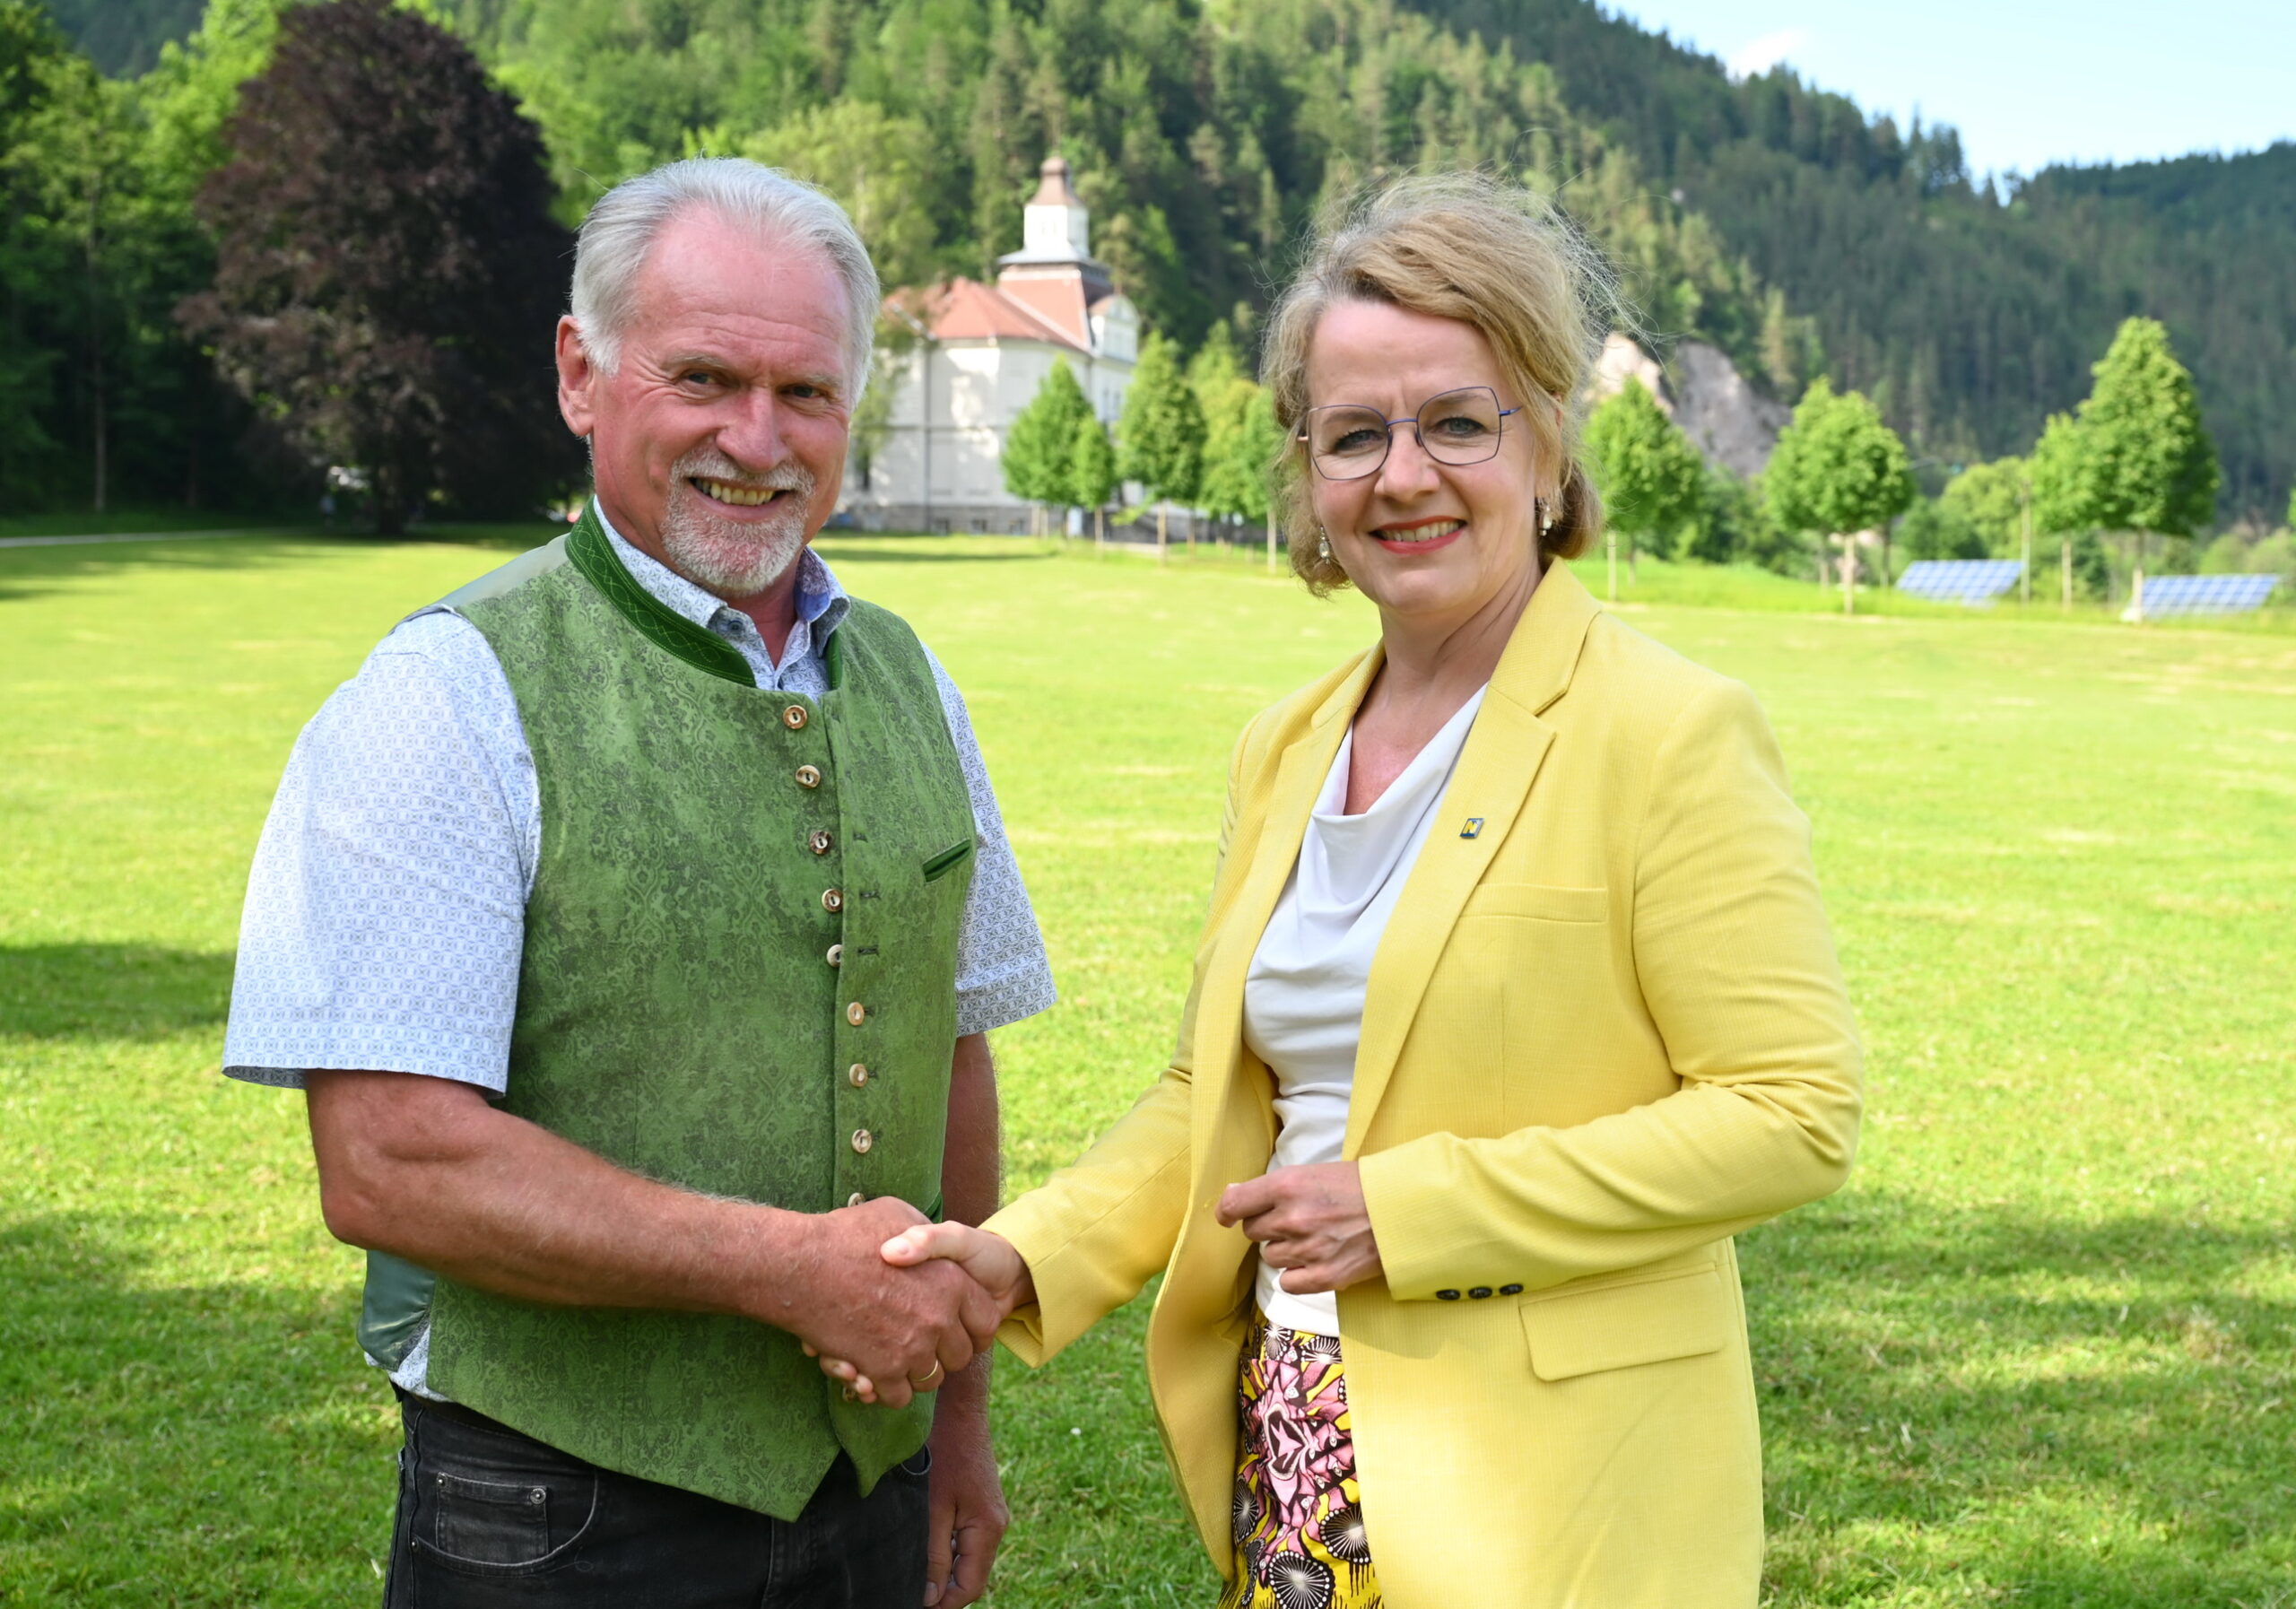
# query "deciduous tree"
(2151, 467)
(1229, 478)
(1653, 479)
(1159, 440)
(1991, 498)
(1040, 444)
(389, 273)
(873, 163)
(1092, 471)
(1838, 470)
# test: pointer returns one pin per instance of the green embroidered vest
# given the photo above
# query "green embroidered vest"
(744, 898)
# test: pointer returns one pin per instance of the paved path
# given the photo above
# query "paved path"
(128, 536)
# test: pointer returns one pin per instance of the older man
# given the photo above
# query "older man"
(634, 920)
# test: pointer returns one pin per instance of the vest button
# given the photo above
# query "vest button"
(809, 775)
(836, 954)
(1447, 1296)
(856, 1199)
(821, 843)
(1480, 1291)
(858, 1073)
(1511, 1289)
(862, 1140)
(833, 899)
(856, 1014)
(794, 717)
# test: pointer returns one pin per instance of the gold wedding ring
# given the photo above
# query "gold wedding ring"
(931, 1375)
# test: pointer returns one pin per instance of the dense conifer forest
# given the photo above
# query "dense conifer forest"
(1770, 217)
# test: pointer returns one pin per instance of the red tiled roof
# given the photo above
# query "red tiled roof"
(1057, 299)
(965, 309)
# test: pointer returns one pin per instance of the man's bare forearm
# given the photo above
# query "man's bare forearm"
(429, 1171)
(972, 1179)
(970, 1162)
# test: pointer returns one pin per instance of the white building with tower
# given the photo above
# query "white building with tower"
(979, 354)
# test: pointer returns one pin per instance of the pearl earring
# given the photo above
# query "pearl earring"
(1546, 512)
(1323, 545)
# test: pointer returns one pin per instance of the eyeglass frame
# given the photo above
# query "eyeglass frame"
(1411, 419)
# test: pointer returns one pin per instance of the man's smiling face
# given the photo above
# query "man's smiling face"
(719, 442)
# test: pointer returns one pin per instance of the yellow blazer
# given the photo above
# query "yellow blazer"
(1605, 1029)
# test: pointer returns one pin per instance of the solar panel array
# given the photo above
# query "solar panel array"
(1975, 582)
(2204, 595)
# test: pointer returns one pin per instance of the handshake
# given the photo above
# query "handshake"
(904, 1303)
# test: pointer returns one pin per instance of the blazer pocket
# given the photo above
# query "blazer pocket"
(947, 860)
(1621, 1326)
(1541, 901)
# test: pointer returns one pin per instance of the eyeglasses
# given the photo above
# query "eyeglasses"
(1347, 441)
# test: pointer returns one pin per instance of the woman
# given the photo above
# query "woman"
(1515, 1004)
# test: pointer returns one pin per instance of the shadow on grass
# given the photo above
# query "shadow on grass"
(1959, 1411)
(217, 1444)
(111, 991)
(31, 572)
(2053, 1410)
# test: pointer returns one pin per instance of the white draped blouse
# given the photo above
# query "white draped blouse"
(1303, 997)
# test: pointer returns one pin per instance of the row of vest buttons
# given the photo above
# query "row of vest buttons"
(833, 902)
(1479, 1292)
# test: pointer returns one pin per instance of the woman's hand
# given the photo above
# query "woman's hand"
(1309, 1221)
(990, 1259)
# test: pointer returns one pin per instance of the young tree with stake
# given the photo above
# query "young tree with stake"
(2145, 463)
(1653, 479)
(1092, 473)
(1042, 441)
(1161, 439)
(1838, 470)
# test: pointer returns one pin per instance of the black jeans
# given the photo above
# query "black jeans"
(489, 1519)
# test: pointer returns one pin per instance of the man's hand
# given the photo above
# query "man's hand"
(1310, 1222)
(429, 1171)
(965, 1513)
(987, 1260)
(904, 1328)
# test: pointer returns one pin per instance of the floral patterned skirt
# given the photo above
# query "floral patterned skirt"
(1298, 1516)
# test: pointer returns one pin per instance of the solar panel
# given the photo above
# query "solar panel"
(2203, 595)
(1975, 582)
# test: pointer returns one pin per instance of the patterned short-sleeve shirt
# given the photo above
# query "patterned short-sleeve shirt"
(386, 908)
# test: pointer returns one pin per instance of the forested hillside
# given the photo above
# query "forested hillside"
(124, 37)
(1970, 311)
(1772, 218)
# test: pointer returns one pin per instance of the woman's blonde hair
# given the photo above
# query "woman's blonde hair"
(1478, 249)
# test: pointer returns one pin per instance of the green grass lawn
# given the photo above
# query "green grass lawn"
(2042, 1351)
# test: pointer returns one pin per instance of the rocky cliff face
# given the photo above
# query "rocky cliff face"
(1729, 422)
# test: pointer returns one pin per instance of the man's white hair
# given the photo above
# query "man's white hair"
(626, 222)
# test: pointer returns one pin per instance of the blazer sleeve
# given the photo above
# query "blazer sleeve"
(1098, 1230)
(1737, 970)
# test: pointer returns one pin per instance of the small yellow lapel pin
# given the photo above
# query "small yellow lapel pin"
(1474, 829)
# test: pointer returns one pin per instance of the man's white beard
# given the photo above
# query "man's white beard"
(734, 559)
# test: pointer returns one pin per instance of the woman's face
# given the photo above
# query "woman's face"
(1427, 542)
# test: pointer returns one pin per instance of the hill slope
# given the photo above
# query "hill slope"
(1973, 312)
(1772, 218)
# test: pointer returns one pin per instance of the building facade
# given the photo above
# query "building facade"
(978, 354)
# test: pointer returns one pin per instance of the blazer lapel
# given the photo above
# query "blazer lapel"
(1502, 757)
(1290, 798)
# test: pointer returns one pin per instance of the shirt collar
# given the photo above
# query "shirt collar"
(823, 602)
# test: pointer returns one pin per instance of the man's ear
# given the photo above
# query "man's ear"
(576, 375)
